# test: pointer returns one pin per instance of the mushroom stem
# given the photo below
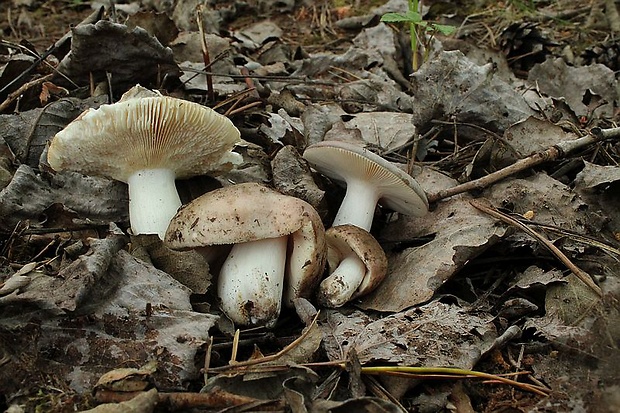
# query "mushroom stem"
(338, 288)
(153, 201)
(251, 281)
(358, 205)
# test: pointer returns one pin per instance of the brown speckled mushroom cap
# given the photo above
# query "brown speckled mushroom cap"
(345, 238)
(146, 133)
(251, 212)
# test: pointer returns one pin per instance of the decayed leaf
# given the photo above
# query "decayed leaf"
(552, 203)
(87, 199)
(592, 175)
(570, 301)
(74, 283)
(263, 387)
(535, 135)
(459, 233)
(382, 130)
(127, 379)
(292, 176)
(358, 405)
(588, 90)
(190, 268)
(536, 276)
(126, 312)
(143, 403)
(28, 133)
(411, 338)
(452, 85)
(130, 56)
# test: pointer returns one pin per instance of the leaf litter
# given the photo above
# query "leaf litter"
(465, 290)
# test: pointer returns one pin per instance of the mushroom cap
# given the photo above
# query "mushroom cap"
(343, 161)
(343, 239)
(146, 133)
(250, 212)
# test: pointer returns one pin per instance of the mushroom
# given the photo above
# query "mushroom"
(356, 262)
(278, 253)
(147, 142)
(369, 179)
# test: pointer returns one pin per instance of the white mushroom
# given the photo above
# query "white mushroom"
(369, 179)
(147, 142)
(356, 262)
(278, 252)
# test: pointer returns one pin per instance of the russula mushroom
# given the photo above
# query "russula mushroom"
(356, 262)
(278, 253)
(369, 179)
(147, 142)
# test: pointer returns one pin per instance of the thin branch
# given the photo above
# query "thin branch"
(271, 357)
(582, 275)
(550, 154)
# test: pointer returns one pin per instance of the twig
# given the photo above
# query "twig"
(582, 275)
(23, 88)
(550, 154)
(215, 398)
(452, 372)
(205, 53)
(271, 357)
(93, 17)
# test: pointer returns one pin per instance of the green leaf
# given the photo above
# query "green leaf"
(414, 16)
(409, 17)
(394, 18)
(444, 28)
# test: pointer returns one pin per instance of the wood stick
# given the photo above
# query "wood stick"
(550, 154)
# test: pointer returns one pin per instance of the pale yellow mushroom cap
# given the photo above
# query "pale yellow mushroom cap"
(146, 133)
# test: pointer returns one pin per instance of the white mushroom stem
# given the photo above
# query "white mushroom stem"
(153, 201)
(251, 281)
(337, 289)
(357, 208)
(358, 205)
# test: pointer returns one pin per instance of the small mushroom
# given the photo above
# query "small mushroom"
(356, 262)
(278, 253)
(147, 142)
(369, 179)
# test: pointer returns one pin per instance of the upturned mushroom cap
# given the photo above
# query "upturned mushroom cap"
(146, 133)
(344, 161)
(343, 240)
(251, 212)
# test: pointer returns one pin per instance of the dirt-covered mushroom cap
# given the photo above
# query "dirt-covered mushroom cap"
(147, 142)
(369, 179)
(348, 246)
(279, 246)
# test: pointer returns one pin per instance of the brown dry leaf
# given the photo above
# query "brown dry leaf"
(127, 379)
(456, 87)
(411, 338)
(459, 232)
(92, 200)
(588, 90)
(126, 313)
(382, 130)
(535, 135)
(142, 403)
(593, 175)
(130, 56)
